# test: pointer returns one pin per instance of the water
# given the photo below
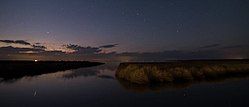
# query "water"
(97, 86)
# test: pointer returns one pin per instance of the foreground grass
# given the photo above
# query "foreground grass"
(181, 71)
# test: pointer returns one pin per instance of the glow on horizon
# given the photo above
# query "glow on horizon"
(49, 47)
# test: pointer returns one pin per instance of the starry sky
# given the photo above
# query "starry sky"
(127, 26)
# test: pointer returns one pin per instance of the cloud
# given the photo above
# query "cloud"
(209, 46)
(38, 43)
(36, 46)
(13, 50)
(73, 47)
(39, 47)
(77, 52)
(83, 50)
(233, 46)
(108, 46)
(22, 42)
(52, 53)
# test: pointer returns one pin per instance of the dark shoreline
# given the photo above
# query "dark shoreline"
(18, 69)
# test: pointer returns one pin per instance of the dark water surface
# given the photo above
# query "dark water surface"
(97, 86)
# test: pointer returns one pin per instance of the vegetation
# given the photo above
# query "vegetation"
(181, 71)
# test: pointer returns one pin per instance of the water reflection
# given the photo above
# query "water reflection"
(105, 71)
(80, 72)
(14, 70)
(151, 87)
(97, 86)
(106, 77)
(157, 87)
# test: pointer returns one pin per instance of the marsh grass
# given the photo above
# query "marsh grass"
(181, 71)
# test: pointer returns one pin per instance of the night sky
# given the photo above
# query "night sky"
(124, 29)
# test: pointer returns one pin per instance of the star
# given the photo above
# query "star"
(172, 3)
(137, 13)
(123, 13)
(145, 20)
(62, 9)
(179, 25)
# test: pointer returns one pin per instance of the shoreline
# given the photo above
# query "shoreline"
(18, 69)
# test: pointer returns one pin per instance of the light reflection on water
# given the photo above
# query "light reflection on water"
(97, 86)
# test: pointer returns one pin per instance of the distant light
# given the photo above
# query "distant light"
(36, 60)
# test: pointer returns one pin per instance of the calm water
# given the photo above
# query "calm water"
(97, 86)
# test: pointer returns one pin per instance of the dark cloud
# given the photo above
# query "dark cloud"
(22, 42)
(83, 50)
(39, 47)
(209, 46)
(37, 51)
(233, 47)
(73, 47)
(52, 53)
(108, 46)
(13, 50)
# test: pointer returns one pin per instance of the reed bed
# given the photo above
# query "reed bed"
(181, 71)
